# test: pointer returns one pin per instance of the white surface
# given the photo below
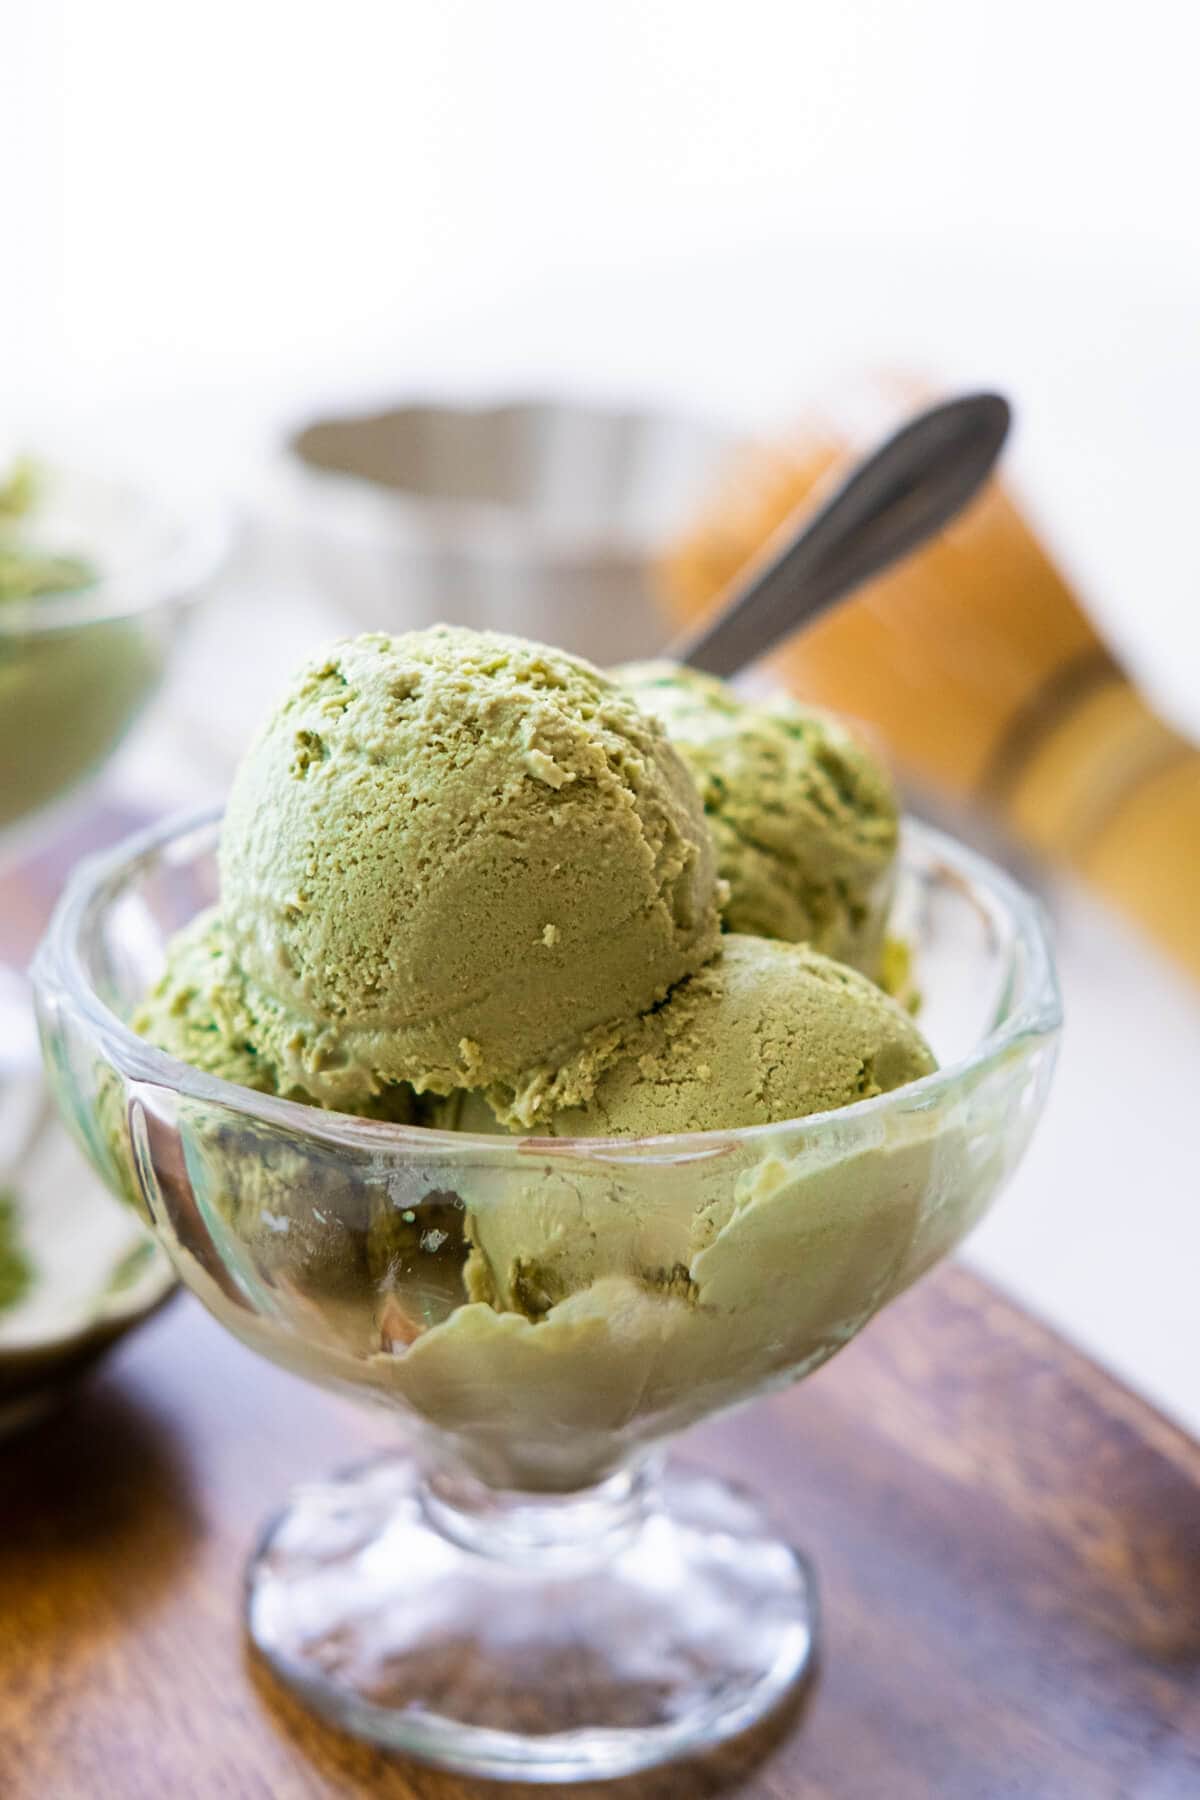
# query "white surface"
(1100, 1231)
(223, 222)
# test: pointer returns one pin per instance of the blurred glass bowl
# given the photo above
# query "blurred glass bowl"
(541, 517)
(523, 1596)
(77, 667)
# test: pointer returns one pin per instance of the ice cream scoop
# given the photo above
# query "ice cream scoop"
(198, 1013)
(615, 1305)
(459, 859)
(765, 1032)
(804, 817)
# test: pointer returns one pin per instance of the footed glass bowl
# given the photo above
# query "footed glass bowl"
(524, 1591)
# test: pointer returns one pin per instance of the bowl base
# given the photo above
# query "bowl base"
(564, 1640)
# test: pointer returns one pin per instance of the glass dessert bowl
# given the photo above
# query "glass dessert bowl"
(80, 657)
(525, 1591)
(95, 576)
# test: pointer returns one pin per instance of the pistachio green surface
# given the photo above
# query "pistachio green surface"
(66, 693)
(198, 1013)
(646, 1297)
(804, 817)
(280, 1209)
(638, 1307)
(597, 1306)
(66, 698)
(766, 1032)
(458, 859)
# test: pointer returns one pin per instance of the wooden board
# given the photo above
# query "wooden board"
(1008, 1544)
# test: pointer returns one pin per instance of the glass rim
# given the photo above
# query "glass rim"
(58, 971)
(198, 543)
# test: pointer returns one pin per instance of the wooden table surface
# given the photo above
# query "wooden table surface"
(1008, 1545)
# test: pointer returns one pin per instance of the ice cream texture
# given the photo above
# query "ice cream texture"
(606, 1307)
(765, 1032)
(804, 816)
(606, 1312)
(457, 859)
(465, 865)
(198, 1013)
(713, 1276)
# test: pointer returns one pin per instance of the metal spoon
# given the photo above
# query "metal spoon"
(910, 487)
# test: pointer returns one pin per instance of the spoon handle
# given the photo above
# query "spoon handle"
(910, 487)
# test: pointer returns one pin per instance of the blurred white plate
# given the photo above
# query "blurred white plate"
(77, 1268)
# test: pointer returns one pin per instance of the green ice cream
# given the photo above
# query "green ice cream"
(279, 1210)
(766, 1032)
(804, 817)
(458, 859)
(67, 690)
(607, 1310)
(67, 696)
(472, 864)
(604, 1304)
(198, 1013)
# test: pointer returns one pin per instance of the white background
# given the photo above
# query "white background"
(217, 216)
